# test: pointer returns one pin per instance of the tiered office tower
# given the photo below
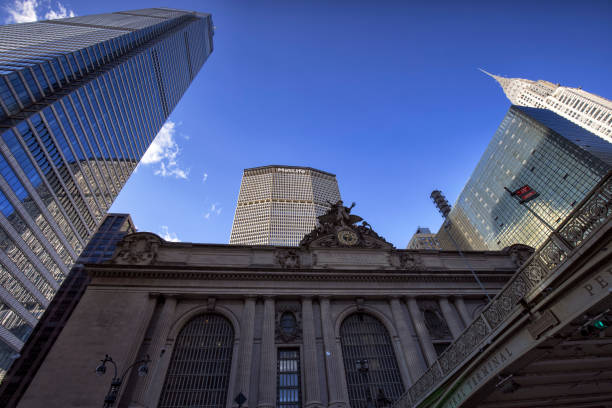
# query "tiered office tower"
(278, 205)
(423, 238)
(558, 159)
(585, 109)
(100, 248)
(81, 99)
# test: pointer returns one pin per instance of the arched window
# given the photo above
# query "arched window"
(369, 362)
(199, 371)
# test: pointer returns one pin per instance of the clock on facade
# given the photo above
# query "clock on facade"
(347, 237)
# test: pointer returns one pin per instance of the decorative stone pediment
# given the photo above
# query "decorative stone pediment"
(410, 261)
(519, 253)
(337, 229)
(137, 249)
(287, 258)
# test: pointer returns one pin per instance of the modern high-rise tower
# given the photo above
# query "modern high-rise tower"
(81, 100)
(423, 238)
(536, 147)
(278, 205)
(101, 247)
(585, 109)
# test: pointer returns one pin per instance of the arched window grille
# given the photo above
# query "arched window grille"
(370, 364)
(199, 371)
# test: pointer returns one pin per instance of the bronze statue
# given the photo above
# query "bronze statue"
(337, 229)
(338, 214)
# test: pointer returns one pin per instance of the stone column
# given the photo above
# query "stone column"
(452, 320)
(247, 324)
(311, 372)
(463, 311)
(132, 381)
(410, 348)
(419, 325)
(232, 393)
(332, 369)
(152, 384)
(267, 364)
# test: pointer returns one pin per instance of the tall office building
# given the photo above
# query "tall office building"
(100, 248)
(585, 109)
(81, 99)
(558, 159)
(278, 205)
(423, 238)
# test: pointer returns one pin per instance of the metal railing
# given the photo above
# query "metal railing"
(529, 280)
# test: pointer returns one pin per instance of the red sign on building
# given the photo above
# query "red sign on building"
(525, 193)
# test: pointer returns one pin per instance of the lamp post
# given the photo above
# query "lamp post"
(445, 208)
(115, 386)
(363, 367)
(381, 399)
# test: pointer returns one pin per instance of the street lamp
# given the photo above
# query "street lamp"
(381, 400)
(115, 386)
(445, 208)
(363, 366)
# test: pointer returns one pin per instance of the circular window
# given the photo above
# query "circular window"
(288, 324)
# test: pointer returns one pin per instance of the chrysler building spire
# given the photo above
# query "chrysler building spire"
(515, 88)
(585, 109)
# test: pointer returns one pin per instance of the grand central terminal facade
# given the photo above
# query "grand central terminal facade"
(345, 319)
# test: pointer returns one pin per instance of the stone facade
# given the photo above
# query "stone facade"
(138, 304)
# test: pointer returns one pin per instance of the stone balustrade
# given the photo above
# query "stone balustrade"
(530, 281)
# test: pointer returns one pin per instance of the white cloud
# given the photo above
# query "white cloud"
(25, 11)
(171, 169)
(169, 236)
(21, 11)
(214, 210)
(164, 150)
(205, 177)
(60, 13)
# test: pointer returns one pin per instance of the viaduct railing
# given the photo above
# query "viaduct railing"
(531, 279)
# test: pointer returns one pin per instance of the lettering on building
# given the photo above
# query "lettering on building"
(599, 282)
(284, 170)
(497, 360)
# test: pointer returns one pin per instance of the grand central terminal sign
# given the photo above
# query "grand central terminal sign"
(516, 340)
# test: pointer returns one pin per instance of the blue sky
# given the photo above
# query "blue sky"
(384, 94)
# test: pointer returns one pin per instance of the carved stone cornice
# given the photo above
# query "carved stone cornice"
(165, 273)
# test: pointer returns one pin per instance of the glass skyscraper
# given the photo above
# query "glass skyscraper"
(81, 100)
(590, 111)
(101, 247)
(278, 205)
(557, 158)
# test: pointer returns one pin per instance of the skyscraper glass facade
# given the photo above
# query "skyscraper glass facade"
(278, 205)
(81, 99)
(590, 111)
(100, 248)
(534, 147)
